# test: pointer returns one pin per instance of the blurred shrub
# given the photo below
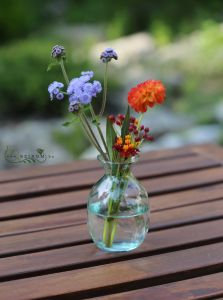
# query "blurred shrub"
(24, 79)
(19, 18)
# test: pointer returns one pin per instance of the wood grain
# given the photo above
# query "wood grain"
(176, 217)
(116, 277)
(85, 165)
(78, 199)
(68, 182)
(46, 251)
(205, 287)
(84, 256)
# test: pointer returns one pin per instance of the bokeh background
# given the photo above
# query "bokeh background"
(179, 42)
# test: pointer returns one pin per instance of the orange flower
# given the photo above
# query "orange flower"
(146, 94)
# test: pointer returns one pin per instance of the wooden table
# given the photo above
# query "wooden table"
(46, 252)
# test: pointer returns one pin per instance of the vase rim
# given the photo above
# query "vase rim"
(133, 159)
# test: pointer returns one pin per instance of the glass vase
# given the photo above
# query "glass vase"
(118, 209)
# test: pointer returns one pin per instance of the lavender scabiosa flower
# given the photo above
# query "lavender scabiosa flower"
(58, 52)
(54, 90)
(81, 91)
(108, 54)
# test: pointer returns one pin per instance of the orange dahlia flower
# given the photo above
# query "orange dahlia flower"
(146, 94)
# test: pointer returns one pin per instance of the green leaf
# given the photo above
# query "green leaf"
(125, 125)
(110, 137)
(96, 121)
(55, 63)
(68, 123)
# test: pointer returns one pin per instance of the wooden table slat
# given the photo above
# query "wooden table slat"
(114, 277)
(176, 217)
(86, 255)
(66, 182)
(46, 251)
(205, 287)
(86, 165)
(78, 199)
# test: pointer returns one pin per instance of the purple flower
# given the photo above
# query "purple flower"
(108, 54)
(85, 98)
(58, 52)
(97, 86)
(81, 91)
(54, 90)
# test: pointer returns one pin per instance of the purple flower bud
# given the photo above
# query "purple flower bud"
(108, 54)
(73, 107)
(54, 89)
(58, 52)
(60, 96)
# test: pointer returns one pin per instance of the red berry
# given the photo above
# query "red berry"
(111, 118)
(145, 136)
(146, 129)
(135, 131)
(131, 129)
(118, 123)
(142, 127)
(121, 117)
(132, 119)
(150, 138)
(137, 139)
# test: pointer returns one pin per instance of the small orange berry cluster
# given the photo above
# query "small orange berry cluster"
(128, 146)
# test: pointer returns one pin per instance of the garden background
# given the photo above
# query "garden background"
(179, 42)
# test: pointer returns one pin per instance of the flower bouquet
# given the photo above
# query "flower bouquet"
(118, 207)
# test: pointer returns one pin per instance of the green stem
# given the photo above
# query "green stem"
(105, 90)
(140, 121)
(98, 128)
(88, 134)
(64, 71)
(93, 136)
(110, 224)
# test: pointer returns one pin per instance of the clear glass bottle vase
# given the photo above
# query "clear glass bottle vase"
(118, 209)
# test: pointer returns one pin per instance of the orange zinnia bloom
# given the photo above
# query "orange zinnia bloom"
(146, 94)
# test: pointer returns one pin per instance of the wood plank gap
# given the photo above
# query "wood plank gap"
(186, 204)
(217, 296)
(191, 222)
(186, 188)
(200, 288)
(46, 212)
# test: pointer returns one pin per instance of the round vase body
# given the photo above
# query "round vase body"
(118, 209)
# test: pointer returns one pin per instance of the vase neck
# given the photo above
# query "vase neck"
(117, 169)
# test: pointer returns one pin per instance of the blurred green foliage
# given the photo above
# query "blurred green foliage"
(24, 17)
(27, 27)
(24, 79)
(73, 140)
